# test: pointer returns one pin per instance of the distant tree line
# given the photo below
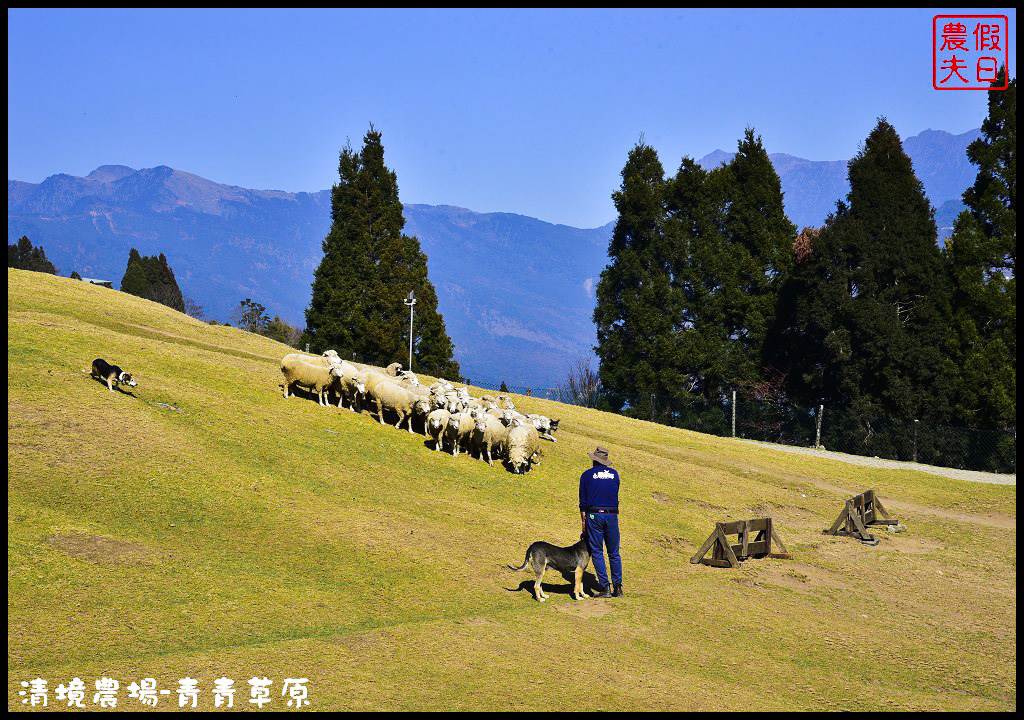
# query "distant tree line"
(23, 256)
(710, 288)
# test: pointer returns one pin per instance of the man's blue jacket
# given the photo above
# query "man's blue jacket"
(599, 488)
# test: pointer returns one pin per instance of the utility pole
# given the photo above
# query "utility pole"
(734, 413)
(411, 302)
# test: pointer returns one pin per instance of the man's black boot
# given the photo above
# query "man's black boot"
(606, 592)
(618, 591)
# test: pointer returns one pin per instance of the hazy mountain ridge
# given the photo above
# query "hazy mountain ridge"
(812, 187)
(517, 293)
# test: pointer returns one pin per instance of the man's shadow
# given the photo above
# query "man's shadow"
(590, 584)
(117, 386)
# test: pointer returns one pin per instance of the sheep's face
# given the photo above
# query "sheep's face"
(337, 372)
(515, 422)
(360, 387)
(480, 424)
(421, 407)
(453, 422)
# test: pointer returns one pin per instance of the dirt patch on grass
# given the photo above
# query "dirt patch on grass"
(103, 550)
(589, 608)
(660, 497)
(798, 576)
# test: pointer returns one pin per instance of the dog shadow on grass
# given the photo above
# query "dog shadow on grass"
(590, 584)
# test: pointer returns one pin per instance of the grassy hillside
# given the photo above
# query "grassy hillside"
(207, 527)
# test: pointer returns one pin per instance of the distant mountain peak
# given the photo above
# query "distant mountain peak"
(109, 173)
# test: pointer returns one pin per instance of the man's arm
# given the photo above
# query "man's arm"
(583, 509)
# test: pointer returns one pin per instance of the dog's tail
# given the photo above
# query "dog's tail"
(523, 566)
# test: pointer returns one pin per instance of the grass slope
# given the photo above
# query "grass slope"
(207, 527)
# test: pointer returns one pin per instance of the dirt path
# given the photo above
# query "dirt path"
(968, 475)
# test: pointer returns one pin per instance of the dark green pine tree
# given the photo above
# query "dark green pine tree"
(134, 281)
(24, 256)
(870, 301)
(151, 277)
(703, 277)
(368, 269)
(635, 299)
(981, 257)
(760, 242)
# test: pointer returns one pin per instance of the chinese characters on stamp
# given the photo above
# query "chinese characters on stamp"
(968, 50)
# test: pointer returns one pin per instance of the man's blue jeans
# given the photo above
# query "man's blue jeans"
(603, 530)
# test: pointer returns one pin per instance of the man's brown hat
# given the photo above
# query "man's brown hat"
(599, 455)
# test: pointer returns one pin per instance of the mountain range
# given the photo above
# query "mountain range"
(517, 293)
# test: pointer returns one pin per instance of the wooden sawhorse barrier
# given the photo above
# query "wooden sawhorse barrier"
(860, 512)
(726, 554)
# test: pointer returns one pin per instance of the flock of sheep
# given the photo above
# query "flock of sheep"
(487, 427)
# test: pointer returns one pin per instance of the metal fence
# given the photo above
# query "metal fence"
(832, 429)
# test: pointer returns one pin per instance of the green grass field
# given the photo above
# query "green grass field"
(208, 527)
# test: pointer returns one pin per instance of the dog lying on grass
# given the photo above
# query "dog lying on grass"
(573, 559)
(111, 374)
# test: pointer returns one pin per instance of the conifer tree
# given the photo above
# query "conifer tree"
(368, 269)
(870, 300)
(760, 240)
(703, 273)
(23, 256)
(981, 257)
(153, 279)
(634, 296)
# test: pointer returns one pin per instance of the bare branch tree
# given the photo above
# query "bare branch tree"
(584, 384)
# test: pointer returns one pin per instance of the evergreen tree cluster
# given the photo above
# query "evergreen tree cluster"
(710, 288)
(152, 278)
(369, 268)
(24, 256)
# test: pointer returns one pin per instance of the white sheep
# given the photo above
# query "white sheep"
(393, 369)
(490, 437)
(421, 409)
(437, 421)
(393, 397)
(523, 446)
(459, 431)
(351, 386)
(304, 374)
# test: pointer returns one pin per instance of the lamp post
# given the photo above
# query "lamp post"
(411, 302)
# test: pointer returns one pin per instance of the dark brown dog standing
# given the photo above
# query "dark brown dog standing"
(573, 559)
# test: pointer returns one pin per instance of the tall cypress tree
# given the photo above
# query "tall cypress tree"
(368, 269)
(153, 279)
(760, 239)
(982, 257)
(703, 276)
(634, 296)
(872, 300)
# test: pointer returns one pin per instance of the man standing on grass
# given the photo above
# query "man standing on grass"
(599, 511)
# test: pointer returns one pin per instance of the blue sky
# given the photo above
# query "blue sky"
(525, 111)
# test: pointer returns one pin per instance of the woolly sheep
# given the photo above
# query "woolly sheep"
(407, 378)
(523, 446)
(315, 377)
(490, 438)
(351, 386)
(392, 397)
(393, 369)
(459, 431)
(421, 409)
(437, 421)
